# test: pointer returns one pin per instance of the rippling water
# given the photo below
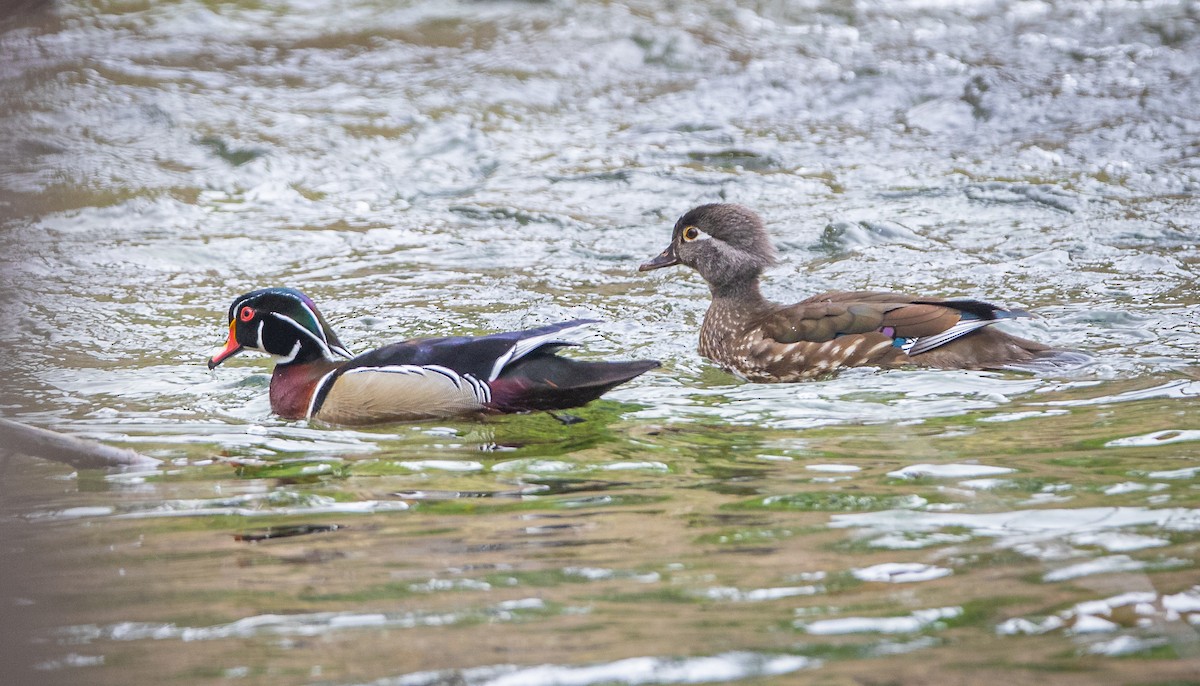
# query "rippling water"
(462, 167)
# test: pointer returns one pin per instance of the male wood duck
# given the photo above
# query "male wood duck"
(316, 377)
(751, 336)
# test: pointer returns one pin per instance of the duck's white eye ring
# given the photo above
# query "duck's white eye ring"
(691, 233)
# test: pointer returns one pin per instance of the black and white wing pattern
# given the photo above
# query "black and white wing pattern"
(430, 377)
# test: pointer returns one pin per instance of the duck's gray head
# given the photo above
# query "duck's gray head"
(726, 243)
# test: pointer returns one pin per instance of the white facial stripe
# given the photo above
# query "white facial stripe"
(320, 340)
(290, 356)
(261, 324)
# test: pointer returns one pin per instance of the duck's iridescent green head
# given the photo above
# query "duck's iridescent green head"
(282, 322)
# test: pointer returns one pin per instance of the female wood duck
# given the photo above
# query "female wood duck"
(749, 335)
(316, 377)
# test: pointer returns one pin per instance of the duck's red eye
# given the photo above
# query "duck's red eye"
(246, 314)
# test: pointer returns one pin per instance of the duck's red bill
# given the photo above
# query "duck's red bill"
(232, 347)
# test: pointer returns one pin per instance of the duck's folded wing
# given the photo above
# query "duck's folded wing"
(482, 357)
(825, 320)
(437, 377)
(918, 325)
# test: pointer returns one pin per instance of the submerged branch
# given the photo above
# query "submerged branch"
(77, 452)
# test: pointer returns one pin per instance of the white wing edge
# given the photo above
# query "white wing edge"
(927, 343)
(528, 345)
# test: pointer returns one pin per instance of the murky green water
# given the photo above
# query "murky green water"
(443, 167)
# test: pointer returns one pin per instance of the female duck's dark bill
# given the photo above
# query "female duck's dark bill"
(666, 259)
(232, 347)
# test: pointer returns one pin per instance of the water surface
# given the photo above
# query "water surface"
(464, 167)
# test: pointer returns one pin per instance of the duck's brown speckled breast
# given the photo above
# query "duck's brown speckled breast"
(725, 339)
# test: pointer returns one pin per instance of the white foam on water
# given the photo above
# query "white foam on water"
(1091, 624)
(1043, 498)
(590, 573)
(920, 394)
(888, 647)
(260, 504)
(1125, 645)
(70, 660)
(622, 466)
(1155, 438)
(1015, 416)
(910, 500)
(632, 671)
(1187, 601)
(1118, 542)
(984, 484)
(74, 513)
(442, 465)
(833, 468)
(1032, 532)
(1096, 616)
(807, 576)
(917, 621)
(1028, 627)
(1100, 565)
(1183, 473)
(533, 465)
(522, 604)
(300, 624)
(435, 585)
(737, 595)
(901, 572)
(601, 574)
(915, 541)
(1172, 389)
(1125, 487)
(322, 468)
(948, 471)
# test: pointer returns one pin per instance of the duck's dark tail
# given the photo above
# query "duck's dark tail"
(545, 381)
(990, 348)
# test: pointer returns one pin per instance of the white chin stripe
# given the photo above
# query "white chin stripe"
(290, 356)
